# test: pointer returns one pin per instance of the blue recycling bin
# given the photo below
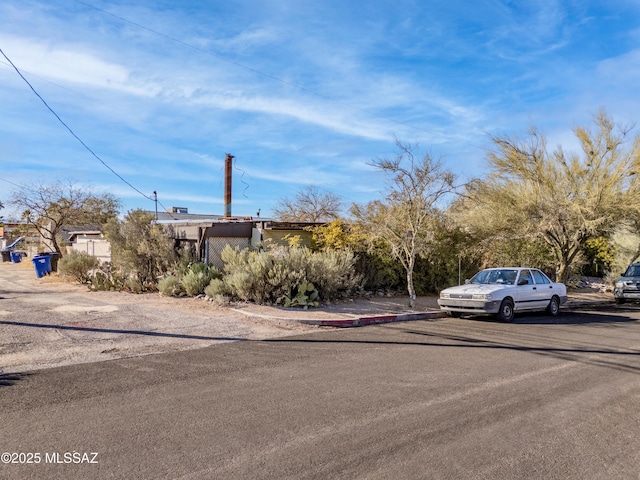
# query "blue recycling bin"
(16, 257)
(42, 265)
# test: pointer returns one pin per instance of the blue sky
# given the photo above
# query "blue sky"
(301, 92)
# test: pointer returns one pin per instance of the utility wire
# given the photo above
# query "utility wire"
(251, 69)
(21, 187)
(70, 130)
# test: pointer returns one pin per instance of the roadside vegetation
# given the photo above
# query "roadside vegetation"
(568, 213)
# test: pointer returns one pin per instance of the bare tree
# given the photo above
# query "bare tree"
(50, 208)
(311, 204)
(559, 197)
(404, 219)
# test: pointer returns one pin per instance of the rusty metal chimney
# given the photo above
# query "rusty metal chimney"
(228, 161)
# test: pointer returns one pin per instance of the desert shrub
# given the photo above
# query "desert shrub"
(194, 283)
(216, 287)
(375, 265)
(333, 274)
(170, 285)
(249, 280)
(140, 249)
(135, 285)
(280, 275)
(218, 292)
(197, 277)
(78, 265)
(107, 278)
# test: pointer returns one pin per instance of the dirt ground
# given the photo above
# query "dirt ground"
(50, 322)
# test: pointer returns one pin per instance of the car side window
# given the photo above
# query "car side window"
(525, 278)
(540, 277)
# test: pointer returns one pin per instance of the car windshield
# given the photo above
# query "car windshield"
(502, 276)
(632, 271)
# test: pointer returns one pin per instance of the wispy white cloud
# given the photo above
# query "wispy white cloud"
(301, 92)
(67, 64)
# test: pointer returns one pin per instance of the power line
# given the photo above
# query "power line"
(69, 128)
(21, 187)
(246, 67)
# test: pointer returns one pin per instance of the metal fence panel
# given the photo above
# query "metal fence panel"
(215, 245)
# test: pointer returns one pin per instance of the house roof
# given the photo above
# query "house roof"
(70, 231)
(169, 216)
(193, 218)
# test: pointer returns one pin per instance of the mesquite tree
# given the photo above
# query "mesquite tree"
(51, 208)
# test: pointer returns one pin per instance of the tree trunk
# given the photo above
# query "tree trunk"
(410, 288)
(562, 273)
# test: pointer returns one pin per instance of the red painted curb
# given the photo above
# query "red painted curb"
(374, 320)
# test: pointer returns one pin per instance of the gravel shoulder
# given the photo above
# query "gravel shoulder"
(49, 322)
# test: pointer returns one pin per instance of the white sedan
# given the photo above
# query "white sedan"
(503, 292)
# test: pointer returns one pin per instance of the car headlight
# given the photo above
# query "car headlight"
(481, 296)
(619, 284)
(445, 295)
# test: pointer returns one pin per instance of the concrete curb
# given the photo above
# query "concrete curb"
(352, 322)
(375, 319)
(403, 317)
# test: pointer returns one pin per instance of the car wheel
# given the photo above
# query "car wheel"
(505, 314)
(454, 314)
(620, 300)
(554, 306)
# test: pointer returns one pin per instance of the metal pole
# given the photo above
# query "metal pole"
(155, 196)
(227, 185)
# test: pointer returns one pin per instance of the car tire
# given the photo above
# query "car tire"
(620, 300)
(554, 306)
(454, 314)
(505, 314)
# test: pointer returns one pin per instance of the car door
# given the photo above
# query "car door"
(544, 287)
(527, 296)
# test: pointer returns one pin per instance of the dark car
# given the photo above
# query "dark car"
(627, 287)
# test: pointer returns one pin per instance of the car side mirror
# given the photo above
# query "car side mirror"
(467, 281)
(523, 281)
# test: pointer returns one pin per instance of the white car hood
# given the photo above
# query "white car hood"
(474, 288)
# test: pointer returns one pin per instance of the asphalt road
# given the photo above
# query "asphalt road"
(445, 399)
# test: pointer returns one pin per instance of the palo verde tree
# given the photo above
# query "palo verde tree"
(404, 220)
(51, 208)
(311, 204)
(558, 197)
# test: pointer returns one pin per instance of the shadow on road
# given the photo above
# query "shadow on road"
(123, 332)
(9, 379)
(609, 315)
(621, 359)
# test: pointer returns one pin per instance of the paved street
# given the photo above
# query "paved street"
(451, 398)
